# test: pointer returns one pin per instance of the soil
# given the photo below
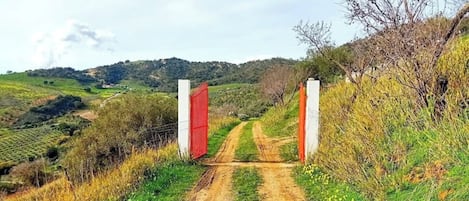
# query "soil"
(278, 185)
(86, 114)
(216, 182)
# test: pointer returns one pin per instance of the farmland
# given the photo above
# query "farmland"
(20, 145)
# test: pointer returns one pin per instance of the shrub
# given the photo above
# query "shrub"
(125, 124)
(52, 153)
(32, 173)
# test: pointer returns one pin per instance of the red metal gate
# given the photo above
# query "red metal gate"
(199, 121)
(302, 122)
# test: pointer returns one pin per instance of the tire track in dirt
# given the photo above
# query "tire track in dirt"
(278, 183)
(216, 182)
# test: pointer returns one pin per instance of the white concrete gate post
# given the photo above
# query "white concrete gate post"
(312, 118)
(184, 88)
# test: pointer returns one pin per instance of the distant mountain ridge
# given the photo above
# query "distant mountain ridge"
(163, 73)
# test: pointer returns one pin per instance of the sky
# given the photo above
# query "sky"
(88, 33)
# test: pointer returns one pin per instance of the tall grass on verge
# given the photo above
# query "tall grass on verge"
(289, 151)
(218, 122)
(169, 181)
(281, 121)
(376, 139)
(247, 149)
(112, 185)
(320, 186)
(246, 181)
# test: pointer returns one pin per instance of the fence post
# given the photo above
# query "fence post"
(184, 88)
(312, 117)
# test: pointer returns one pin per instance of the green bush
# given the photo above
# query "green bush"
(131, 122)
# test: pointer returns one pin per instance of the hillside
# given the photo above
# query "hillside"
(163, 73)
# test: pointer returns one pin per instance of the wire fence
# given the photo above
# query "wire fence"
(159, 136)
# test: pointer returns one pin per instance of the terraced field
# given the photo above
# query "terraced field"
(17, 146)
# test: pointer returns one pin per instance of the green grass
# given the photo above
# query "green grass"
(20, 145)
(320, 186)
(245, 184)
(216, 139)
(217, 88)
(282, 121)
(24, 86)
(170, 181)
(289, 152)
(19, 92)
(247, 149)
(239, 99)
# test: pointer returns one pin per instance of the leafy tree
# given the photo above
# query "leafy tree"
(321, 67)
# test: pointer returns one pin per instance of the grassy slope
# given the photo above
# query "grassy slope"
(282, 121)
(113, 185)
(26, 88)
(320, 186)
(169, 181)
(245, 184)
(247, 149)
(385, 151)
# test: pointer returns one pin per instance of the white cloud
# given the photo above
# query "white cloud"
(50, 47)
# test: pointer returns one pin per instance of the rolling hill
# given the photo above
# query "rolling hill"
(162, 74)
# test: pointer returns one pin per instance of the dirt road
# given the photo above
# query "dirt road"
(278, 183)
(216, 183)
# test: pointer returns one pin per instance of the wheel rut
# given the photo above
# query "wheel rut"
(216, 183)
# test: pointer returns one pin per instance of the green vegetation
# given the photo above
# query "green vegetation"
(53, 108)
(168, 181)
(216, 139)
(212, 90)
(19, 92)
(247, 149)
(131, 122)
(319, 186)
(289, 152)
(67, 72)
(25, 144)
(238, 100)
(245, 184)
(282, 121)
(163, 74)
(321, 68)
